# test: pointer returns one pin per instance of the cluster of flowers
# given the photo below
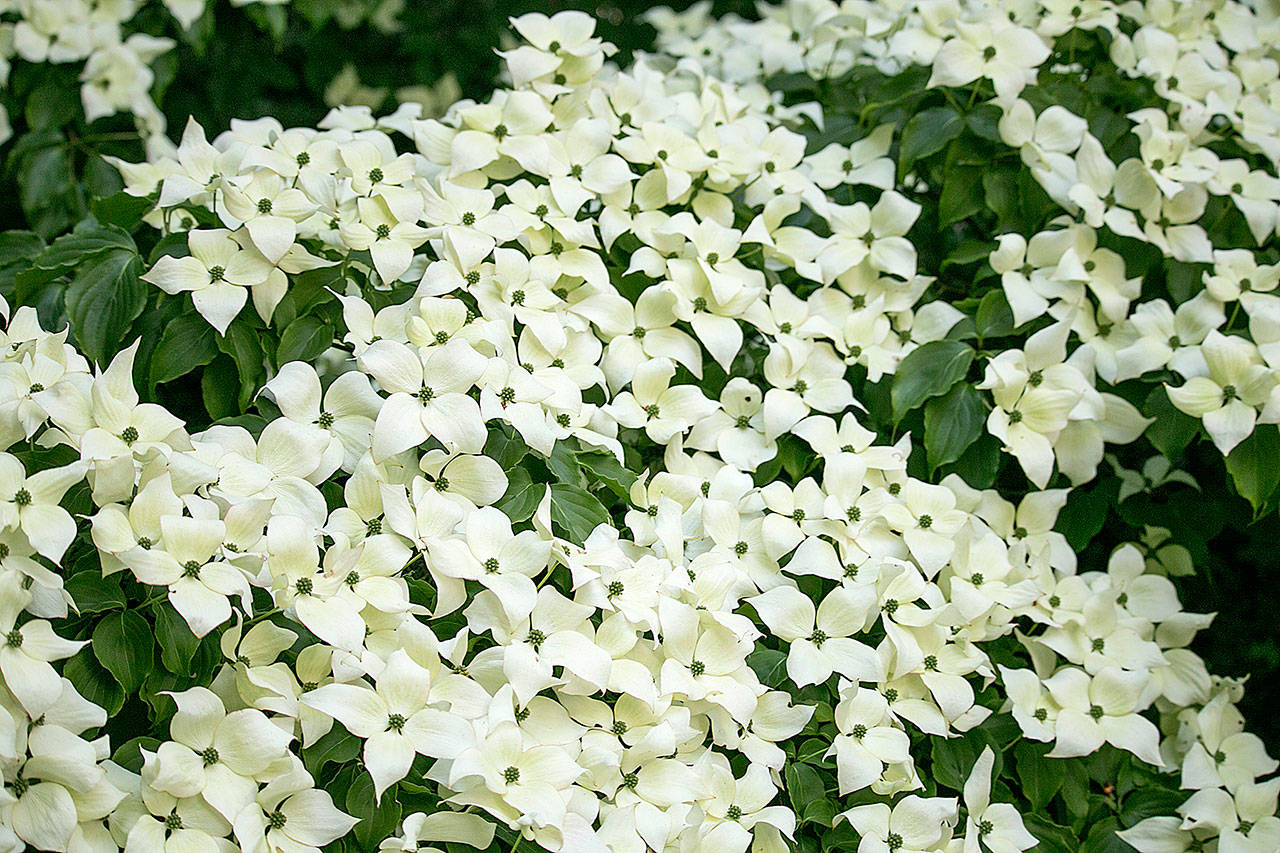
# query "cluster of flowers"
(599, 712)
(117, 74)
(1213, 62)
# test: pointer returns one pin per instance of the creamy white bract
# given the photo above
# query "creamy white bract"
(608, 710)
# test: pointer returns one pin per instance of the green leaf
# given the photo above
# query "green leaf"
(51, 104)
(927, 132)
(994, 318)
(804, 786)
(1000, 195)
(187, 343)
(576, 511)
(522, 497)
(103, 300)
(605, 468)
(48, 191)
(19, 247)
(123, 644)
(952, 422)
(1103, 839)
(377, 820)
(177, 644)
(968, 252)
(984, 120)
(812, 751)
(563, 464)
(505, 446)
(1254, 467)
(1149, 801)
(769, 665)
(93, 681)
(1086, 512)
(304, 340)
(338, 745)
(927, 371)
(87, 239)
(242, 344)
(220, 388)
(121, 209)
(1041, 777)
(1053, 838)
(962, 194)
(92, 593)
(953, 758)
(1173, 429)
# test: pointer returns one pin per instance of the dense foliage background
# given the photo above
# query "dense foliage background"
(264, 62)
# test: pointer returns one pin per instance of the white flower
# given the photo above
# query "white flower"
(393, 719)
(997, 826)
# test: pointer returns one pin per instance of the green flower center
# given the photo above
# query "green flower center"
(511, 775)
(191, 569)
(276, 820)
(615, 589)
(209, 756)
(818, 637)
(129, 435)
(22, 497)
(395, 723)
(697, 668)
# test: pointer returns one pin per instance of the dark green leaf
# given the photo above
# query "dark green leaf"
(563, 463)
(812, 751)
(804, 786)
(953, 758)
(177, 644)
(187, 343)
(962, 194)
(576, 511)
(1053, 838)
(93, 681)
(927, 133)
(88, 239)
(605, 468)
(1041, 777)
(338, 745)
(522, 497)
(304, 340)
(123, 644)
(103, 300)
(505, 446)
(984, 120)
(769, 665)
(220, 388)
(995, 317)
(927, 371)
(121, 209)
(952, 422)
(377, 819)
(1150, 801)
(92, 593)
(1173, 429)
(968, 252)
(1254, 465)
